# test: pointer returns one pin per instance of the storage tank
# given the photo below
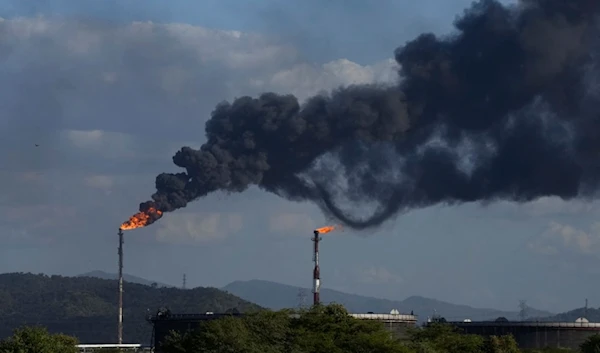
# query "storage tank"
(394, 322)
(535, 335)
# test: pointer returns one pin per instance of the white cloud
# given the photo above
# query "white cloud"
(111, 144)
(174, 54)
(377, 275)
(41, 216)
(555, 206)
(109, 77)
(304, 80)
(191, 228)
(103, 182)
(150, 79)
(286, 223)
(544, 208)
(559, 238)
(108, 100)
(98, 139)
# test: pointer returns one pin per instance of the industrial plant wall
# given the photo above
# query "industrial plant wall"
(398, 328)
(534, 336)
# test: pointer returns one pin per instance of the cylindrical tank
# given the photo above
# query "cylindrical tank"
(535, 335)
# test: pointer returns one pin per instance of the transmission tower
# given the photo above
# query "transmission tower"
(184, 281)
(523, 309)
(302, 298)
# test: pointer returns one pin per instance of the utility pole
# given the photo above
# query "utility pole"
(585, 309)
(120, 322)
(184, 281)
(301, 298)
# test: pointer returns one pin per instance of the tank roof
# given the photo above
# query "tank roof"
(587, 325)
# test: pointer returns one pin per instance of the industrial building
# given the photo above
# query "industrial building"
(534, 335)
(165, 322)
(394, 321)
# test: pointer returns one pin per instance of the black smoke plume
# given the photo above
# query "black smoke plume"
(504, 108)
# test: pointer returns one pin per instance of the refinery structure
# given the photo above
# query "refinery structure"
(529, 335)
(317, 271)
(164, 322)
(534, 334)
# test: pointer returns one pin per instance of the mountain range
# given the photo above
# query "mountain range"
(86, 307)
(277, 296)
(126, 278)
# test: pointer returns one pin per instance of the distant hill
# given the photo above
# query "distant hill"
(277, 296)
(126, 278)
(593, 315)
(86, 307)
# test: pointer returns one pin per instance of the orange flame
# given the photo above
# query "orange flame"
(327, 229)
(142, 219)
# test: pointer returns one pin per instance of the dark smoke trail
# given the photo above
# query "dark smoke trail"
(501, 109)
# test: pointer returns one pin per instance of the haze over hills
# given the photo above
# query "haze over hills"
(277, 296)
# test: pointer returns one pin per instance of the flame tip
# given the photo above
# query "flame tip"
(142, 219)
(326, 229)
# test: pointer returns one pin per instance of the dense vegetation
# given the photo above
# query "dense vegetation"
(86, 307)
(329, 329)
(321, 329)
(38, 340)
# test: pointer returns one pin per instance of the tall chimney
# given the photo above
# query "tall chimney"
(120, 326)
(316, 271)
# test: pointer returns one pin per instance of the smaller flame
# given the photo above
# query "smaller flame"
(142, 219)
(327, 229)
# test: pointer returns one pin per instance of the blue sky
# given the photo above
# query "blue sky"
(110, 101)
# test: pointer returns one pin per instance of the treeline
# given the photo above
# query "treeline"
(86, 307)
(329, 329)
(322, 329)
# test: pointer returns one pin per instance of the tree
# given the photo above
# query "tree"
(330, 329)
(260, 332)
(443, 338)
(323, 329)
(501, 344)
(591, 344)
(38, 340)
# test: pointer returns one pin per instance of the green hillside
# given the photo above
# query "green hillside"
(86, 307)
(126, 277)
(591, 314)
